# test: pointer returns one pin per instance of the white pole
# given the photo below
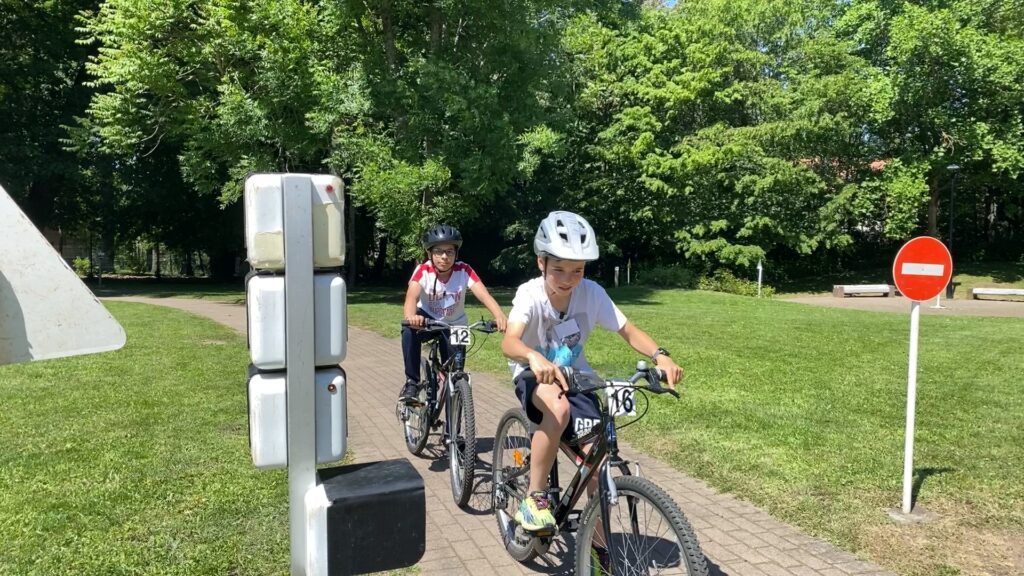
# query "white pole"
(908, 458)
(299, 375)
(616, 276)
(760, 269)
(938, 301)
(629, 267)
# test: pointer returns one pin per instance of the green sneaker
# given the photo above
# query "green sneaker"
(534, 513)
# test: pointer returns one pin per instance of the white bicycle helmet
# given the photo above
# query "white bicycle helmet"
(566, 236)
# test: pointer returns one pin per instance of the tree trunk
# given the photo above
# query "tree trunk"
(388, 27)
(436, 31)
(350, 260)
(382, 256)
(933, 208)
(156, 271)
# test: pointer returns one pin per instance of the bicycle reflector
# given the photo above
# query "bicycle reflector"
(517, 457)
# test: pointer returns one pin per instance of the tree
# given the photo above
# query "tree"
(41, 89)
(722, 131)
(958, 94)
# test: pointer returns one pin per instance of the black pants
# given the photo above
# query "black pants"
(584, 409)
(413, 339)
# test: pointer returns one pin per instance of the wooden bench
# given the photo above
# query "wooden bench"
(975, 292)
(844, 290)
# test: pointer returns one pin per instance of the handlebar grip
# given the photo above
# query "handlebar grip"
(571, 380)
(655, 383)
(427, 323)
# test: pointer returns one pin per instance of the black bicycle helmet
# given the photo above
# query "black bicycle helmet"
(441, 234)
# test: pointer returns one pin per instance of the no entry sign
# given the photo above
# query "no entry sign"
(922, 268)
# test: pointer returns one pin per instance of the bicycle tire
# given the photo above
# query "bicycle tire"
(519, 546)
(462, 453)
(690, 561)
(417, 425)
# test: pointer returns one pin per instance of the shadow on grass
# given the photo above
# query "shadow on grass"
(920, 475)
(634, 295)
(168, 288)
(1006, 272)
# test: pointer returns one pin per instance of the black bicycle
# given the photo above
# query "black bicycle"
(446, 385)
(640, 529)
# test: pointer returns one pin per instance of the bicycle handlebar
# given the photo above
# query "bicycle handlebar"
(653, 375)
(431, 325)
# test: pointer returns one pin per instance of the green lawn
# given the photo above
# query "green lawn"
(801, 410)
(137, 461)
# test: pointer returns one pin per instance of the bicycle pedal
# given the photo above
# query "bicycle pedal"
(542, 533)
(572, 521)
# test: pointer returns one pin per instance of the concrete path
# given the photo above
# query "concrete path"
(738, 538)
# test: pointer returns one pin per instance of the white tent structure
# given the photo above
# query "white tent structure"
(45, 309)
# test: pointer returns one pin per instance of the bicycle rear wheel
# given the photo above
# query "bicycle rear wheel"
(511, 479)
(649, 534)
(462, 451)
(416, 419)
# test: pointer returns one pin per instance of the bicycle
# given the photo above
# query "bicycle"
(629, 551)
(456, 397)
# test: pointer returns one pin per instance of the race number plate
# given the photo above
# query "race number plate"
(460, 336)
(621, 400)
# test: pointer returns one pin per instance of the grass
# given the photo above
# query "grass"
(137, 461)
(801, 410)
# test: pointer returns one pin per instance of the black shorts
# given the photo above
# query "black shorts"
(584, 409)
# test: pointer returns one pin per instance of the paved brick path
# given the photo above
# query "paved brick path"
(738, 538)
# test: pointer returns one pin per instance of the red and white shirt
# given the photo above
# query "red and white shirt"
(445, 300)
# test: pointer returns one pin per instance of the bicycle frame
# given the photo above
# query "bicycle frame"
(595, 463)
(588, 465)
(452, 369)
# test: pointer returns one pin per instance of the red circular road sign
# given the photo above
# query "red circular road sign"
(922, 268)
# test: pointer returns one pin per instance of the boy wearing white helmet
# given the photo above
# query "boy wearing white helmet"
(551, 319)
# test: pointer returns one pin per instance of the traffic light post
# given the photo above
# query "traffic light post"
(297, 325)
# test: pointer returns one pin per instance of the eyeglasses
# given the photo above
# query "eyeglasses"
(443, 252)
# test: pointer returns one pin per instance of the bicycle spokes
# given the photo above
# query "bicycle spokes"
(641, 541)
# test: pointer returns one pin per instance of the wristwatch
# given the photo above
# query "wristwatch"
(659, 352)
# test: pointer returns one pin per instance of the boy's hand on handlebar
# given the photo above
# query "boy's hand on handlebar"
(673, 373)
(501, 322)
(416, 321)
(546, 372)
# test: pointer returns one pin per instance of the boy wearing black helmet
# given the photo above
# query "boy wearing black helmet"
(437, 290)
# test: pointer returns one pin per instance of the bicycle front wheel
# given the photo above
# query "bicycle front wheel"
(462, 450)
(649, 535)
(511, 470)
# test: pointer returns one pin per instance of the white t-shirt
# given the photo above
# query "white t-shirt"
(445, 300)
(561, 337)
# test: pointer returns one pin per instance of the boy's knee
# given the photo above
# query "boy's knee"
(550, 399)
